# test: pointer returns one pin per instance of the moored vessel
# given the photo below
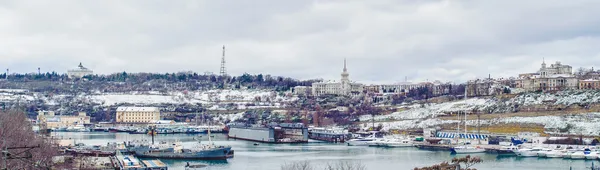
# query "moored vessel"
(467, 149)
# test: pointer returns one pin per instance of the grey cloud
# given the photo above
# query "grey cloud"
(383, 40)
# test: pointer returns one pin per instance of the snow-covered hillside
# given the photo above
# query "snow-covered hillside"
(433, 110)
(422, 116)
(152, 97)
(581, 124)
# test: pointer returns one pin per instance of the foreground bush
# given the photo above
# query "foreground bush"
(340, 165)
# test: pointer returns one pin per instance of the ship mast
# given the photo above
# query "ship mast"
(209, 138)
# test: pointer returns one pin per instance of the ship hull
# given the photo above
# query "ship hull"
(261, 141)
(266, 135)
(214, 154)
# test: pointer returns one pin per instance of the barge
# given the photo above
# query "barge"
(271, 133)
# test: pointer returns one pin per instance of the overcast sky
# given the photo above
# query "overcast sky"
(384, 41)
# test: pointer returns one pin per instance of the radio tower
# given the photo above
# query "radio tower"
(223, 71)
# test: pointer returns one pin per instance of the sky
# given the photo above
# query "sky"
(384, 41)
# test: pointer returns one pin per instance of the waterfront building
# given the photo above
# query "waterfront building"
(555, 77)
(79, 72)
(137, 114)
(344, 88)
(49, 120)
(589, 84)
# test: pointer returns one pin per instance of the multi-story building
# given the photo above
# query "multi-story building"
(137, 114)
(50, 120)
(79, 72)
(589, 84)
(344, 87)
(591, 75)
(555, 77)
(484, 87)
(302, 90)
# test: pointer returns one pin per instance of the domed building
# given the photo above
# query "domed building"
(79, 72)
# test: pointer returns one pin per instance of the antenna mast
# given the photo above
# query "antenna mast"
(223, 71)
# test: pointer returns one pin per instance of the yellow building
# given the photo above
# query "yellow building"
(137, 114)
(589, 84)
(51, 121)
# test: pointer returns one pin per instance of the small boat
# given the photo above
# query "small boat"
(542, 153)
(556, 154)
(578, 155)
(99, 129)
(189, 166)
(256, 144)
(508, 150)
(398, 143)
(592, 156)
(528, 152)
(466, 149)
(139, 131)
(376, 142)
(361, 141)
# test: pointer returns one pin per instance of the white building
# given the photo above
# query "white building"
(79, 72)
(344, 87)
(302, 90)
(555, 77)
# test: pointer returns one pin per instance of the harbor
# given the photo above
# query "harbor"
(269, 156)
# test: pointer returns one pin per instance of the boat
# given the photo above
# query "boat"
(556, 154)
(528, 152)
(592, 155)
(138, 131)
(542, 153)
(189, 166)
(507, 150)
(398, 143)
(98, 129)
(567, 155)
(466, 149)
(176, 151)
(376, 142)
(362, 141)
(578, 155)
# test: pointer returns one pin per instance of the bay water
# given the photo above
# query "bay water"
(272, 156)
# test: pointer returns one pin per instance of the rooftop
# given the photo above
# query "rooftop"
(138, 109)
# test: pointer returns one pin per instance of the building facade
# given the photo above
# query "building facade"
(52, 121)
(343, 88)
(302, 90)
(137, 114)
(553, 78)
(79, 72)
(589, 84)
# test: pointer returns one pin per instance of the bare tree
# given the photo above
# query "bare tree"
(340, 165)
(345, 165)
(26, 150)
(467, 161)
(300, 165)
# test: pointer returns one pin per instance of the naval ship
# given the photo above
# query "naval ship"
(175, 150)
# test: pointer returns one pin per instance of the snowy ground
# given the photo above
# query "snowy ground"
(432, 110)
(152, 97)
